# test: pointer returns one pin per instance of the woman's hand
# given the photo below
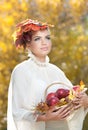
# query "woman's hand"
(60, 114)
(54, 114)
(81, 100)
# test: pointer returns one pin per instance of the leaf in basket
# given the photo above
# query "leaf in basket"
(71, 95)
(79, 88)
(82, 85)
(42, 107)
(63, 101)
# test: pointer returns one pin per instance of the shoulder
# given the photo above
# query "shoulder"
(20, 68)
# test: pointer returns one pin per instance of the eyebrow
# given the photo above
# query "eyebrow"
(39, 36)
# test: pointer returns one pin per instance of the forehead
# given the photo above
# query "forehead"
(42, 33)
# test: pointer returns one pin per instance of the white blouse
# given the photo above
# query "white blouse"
(27, 87)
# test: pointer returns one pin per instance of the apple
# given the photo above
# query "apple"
(76, 88)
(62, 93)
(53, 101)
(50, 95)
(66, 92)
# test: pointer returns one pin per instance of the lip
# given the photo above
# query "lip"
(44, 48)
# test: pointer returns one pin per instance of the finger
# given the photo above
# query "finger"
(63, 116)
(64, 111)
(60, 109)
(76, 102)
(52, 109)
(81, 94)
(77, 106)
(69, 106)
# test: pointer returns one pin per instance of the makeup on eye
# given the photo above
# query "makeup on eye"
(48, 37)
(36, 38)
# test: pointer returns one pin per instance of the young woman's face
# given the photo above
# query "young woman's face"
(40, 44)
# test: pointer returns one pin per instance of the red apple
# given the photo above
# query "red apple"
(76, 88)
(50, 95)
(53, 101)
(62, 93)
(66, 92)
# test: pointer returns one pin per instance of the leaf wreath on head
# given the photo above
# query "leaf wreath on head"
(21, 35)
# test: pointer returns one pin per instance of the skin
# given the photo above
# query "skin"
(40, 45)
(60, 114)
(81, 100)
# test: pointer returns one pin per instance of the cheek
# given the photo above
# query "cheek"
(50, 44)
(34, 47)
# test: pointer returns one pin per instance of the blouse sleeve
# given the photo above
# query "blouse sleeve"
(21, 97)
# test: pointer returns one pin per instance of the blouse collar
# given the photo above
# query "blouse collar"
(39, 63)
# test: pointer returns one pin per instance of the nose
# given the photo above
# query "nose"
(43, 41)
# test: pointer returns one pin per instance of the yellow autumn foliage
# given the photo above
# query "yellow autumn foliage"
(70, 39)
(3, 47)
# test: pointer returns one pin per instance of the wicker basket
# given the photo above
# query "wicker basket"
(43, 107)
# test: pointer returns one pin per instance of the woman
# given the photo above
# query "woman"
(30, 79)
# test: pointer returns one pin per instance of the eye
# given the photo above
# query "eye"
(36, 39)
(48, 37)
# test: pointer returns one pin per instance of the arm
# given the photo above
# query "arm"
(21, 97)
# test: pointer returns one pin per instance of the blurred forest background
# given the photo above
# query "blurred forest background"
(69, 37)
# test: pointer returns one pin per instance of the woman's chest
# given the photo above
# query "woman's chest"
(45, 74)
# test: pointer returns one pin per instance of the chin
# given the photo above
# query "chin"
(45, 54)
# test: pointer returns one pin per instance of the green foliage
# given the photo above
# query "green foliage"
(69, 37)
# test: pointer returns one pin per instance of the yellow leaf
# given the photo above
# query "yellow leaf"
(71, 95)
(14, 35)
(82, 85)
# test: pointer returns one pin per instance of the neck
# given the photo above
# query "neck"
(41, 59)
